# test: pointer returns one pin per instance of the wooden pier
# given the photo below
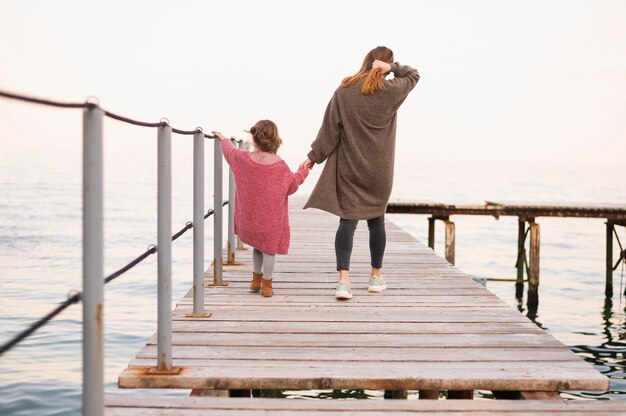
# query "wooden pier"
(434, 330)
(527, 214)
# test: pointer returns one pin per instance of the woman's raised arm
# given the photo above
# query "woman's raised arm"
(405, 78)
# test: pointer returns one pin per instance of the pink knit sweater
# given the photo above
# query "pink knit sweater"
(261, 193)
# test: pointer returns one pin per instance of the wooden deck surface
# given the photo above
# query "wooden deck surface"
(434, 328)
(151, 406)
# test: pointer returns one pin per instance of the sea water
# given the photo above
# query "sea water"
(40, 259)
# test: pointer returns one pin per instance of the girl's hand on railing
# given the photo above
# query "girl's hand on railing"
(218, 135)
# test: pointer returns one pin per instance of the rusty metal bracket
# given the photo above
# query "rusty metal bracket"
(174, 371)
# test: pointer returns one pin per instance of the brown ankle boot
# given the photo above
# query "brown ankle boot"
(257, 278)
(267, 288)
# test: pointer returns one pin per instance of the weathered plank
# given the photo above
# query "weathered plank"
(295, 375)
(419, 328)
(362, 340)
(202, 354)
(129, 405)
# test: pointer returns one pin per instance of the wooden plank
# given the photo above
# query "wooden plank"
(328, 300)
(126, 405)
(407, 288)
(398, 314)
(294, 375)
(419, 328)
(359, 340)
(203, 355)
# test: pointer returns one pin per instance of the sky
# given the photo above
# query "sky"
(501, 81)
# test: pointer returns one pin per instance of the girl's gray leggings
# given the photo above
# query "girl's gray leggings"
(345, 237)
(263, 263)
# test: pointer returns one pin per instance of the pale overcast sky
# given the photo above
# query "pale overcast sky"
(501, 80)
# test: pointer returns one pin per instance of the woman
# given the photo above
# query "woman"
(357, 141)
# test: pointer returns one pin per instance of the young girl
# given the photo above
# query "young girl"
(263, 181)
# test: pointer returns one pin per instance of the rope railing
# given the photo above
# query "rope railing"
(76, 296)
(87, 104)
(93, 278)
(39, 323)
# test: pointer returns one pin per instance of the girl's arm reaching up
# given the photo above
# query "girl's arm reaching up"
(228, 148)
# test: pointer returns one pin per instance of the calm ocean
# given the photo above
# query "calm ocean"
(40, 259)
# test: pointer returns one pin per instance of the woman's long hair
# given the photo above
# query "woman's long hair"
(370, 79)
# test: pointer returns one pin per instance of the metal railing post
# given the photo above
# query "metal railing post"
(93, 264)
(218, 216)
(232, 244)
(198, 223)
(164, 248)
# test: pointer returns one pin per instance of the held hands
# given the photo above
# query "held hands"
(219, 135)
(307, 164)
(383, 66)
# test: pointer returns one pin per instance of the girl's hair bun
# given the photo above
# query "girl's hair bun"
(265, 136)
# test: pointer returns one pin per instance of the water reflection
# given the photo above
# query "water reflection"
(530, 310)
(610, 356)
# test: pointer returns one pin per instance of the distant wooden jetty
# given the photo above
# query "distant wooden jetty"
(527, 214)
(434, 330)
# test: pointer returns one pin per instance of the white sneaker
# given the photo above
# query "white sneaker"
(377, 284)
(343, 291)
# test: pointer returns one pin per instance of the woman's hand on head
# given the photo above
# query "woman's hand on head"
(383, 66)
(219, 135)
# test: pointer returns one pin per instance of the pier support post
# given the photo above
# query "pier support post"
(460, 394)
(506, 394)
(198, 223)
(164, 248)
(521, 258)
(208, 393)
(218, 215)
(93, 264)
(395, 394)
(533, 277)
(450, 240)
(267, 393)
(540, 395)
(240, 393)
(431, 232)
(608, 289)
(231, 215)
(428, 395)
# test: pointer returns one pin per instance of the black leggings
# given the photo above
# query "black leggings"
(345, 237)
